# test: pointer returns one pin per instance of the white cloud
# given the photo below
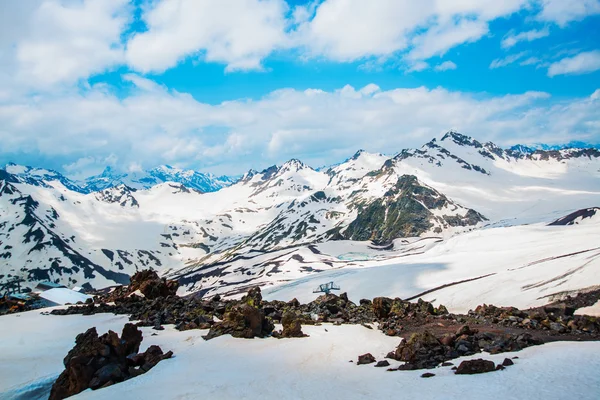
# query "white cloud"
(68, 41)
(349, 30)
(582, 63)
(439, 39)
(510, 59)
(512, 39)
(531, 61)
(154, 127)
(445, 66)
(239, 33)
(418, 66)
(562, 12)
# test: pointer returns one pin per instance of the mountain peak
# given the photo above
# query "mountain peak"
(460, 139)
(293, 165)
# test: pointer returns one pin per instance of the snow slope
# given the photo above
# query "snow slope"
(521, 266)
(313, 367)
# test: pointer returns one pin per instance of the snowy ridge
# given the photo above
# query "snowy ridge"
(269, 227)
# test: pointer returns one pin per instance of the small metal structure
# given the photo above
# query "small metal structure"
(11, 287)
(326, 288)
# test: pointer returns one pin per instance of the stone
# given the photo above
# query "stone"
(291, 325)
(242, 321)
(382, 307)
(507, 362)
(383, 363)
(427, 375)
(477, 366)
(96, 362)
(365, 359)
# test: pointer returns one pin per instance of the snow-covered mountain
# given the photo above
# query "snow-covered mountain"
(281, 223)
(110, 178)
(147, 179)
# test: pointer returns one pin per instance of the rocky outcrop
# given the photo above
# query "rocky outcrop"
(151, 286)
(423, 350)
(242, 321)
(291, 325)
(405, 211)
(96, 362)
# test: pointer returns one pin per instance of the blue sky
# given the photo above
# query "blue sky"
(228, 85)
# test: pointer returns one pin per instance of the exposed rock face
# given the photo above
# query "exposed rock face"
(97, 362)
(478, 366)
(404, 211)
(242, 321)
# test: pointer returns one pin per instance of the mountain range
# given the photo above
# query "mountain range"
(217, 235)
(110, 178)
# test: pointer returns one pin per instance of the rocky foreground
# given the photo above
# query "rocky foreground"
(431, 336)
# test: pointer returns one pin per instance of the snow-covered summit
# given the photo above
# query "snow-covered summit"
(164, 173)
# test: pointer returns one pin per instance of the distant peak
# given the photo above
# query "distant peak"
(460, 139)
(294, 165)
(358, 154)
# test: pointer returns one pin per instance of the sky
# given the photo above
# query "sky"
(223, 86)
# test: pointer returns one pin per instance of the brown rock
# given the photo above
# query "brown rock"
(477, 366)
(365, 359)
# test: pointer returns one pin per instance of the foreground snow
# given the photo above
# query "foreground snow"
(33, 346)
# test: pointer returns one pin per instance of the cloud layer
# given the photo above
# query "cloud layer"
(87, 129)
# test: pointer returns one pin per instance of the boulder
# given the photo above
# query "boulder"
(97, 362)
(477, 366)
(291, 325)
(383, 363)
(242, 321)
(151, 285)
(382, 307)
(365, 359)
(253, 298)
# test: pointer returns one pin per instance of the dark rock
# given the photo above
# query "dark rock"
(507, 362)
(427, 375)
(151, 286)
(291, 325)
(500, 367)
(477, 366)
(253, 298)
(242, 321)
(447, 364)
(97, 362)
(382, 307)
(365, 359)
(383, 363)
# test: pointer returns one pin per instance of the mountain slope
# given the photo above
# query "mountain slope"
(270, 226)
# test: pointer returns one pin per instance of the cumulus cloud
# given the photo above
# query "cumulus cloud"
(349, 30)
(238, 33)
(512, 39)
(151, 127)
(562, 12)
(68, 41)
(582, 63)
